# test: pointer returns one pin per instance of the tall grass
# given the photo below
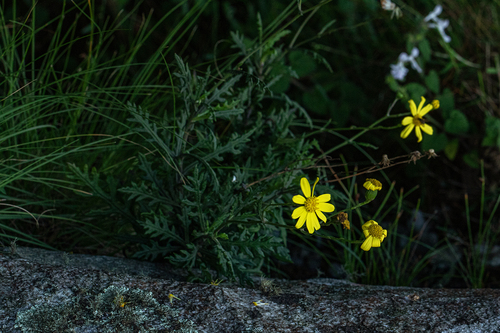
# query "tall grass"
(66, 79)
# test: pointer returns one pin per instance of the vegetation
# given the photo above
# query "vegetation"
(158, 133)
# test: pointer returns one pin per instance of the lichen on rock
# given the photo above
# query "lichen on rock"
(116, 309)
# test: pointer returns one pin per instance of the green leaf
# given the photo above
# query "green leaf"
(446, 102)
(432, 81)
(437, 142)
(328, 25)
(416, 91)
(457, 123)
(472, 159)
(492, 133)
(317, 100)
(491, 70)
(425, 49)
(302, 63)
(451, 149)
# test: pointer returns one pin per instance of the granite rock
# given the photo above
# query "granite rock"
(47, 291)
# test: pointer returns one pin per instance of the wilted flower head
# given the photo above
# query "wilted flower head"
(390, 6)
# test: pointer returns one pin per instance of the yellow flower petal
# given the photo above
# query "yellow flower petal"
(407, 121)
(312, 222)
(375, 242)
(298, 199)
(298, 212)
(321, 215)
(314, 186)
(326, 207)
(418, 133)
(305, 187)
(422, 102)
(316, 224)
(367, 244)
(407, 131)
(301, 221)
(368, 224)
(427, 129)
(413, 107)
(324, 198)
(424, 111)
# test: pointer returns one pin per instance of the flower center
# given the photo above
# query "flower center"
(376, 231)
(311, 204)
(417, 121)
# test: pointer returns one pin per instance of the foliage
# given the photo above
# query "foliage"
(125, 148)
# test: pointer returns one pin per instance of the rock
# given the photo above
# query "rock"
(45, 291)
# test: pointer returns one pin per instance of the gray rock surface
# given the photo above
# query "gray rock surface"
(46, 291)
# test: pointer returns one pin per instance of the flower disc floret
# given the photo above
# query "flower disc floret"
(374, 234)
(416, 120)
(313, 207)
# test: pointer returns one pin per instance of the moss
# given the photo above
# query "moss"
(116, 309)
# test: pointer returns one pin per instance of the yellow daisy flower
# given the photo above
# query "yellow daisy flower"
(313, 207)
(374, 235)
(416, 121)
(372, 184)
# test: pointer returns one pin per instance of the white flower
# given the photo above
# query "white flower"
(387, 5)
(438, 23)
(403, 57)
(399, 71)
(434, 14)
(441, 25)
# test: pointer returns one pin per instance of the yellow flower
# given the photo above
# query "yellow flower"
(313, 207)
(171, 298)
(435, 104)
(416, 121)
(259, 303)
(372, 184)
(374, 235)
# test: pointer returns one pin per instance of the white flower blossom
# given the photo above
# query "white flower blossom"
(399, 71)
(387, 5)
(434, 14)
(403, 57)
(390, 6)
(438, 23)
(441, 25)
